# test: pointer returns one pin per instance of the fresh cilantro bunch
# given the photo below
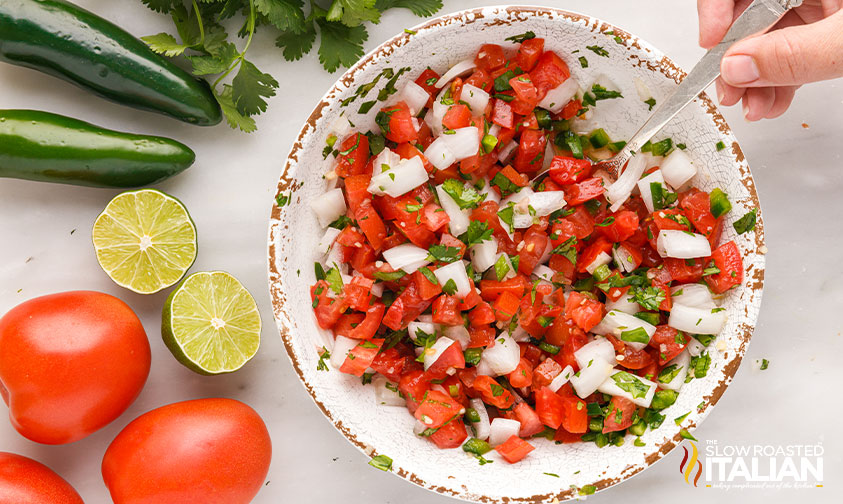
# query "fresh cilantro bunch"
(205, 43)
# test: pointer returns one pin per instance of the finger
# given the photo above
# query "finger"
(757, 102)
(791, 56)
(715, 19)
(728, 95)
(784, 97)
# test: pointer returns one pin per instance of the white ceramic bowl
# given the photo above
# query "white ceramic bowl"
(294, 233)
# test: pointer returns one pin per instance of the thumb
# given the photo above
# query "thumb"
(787, 57)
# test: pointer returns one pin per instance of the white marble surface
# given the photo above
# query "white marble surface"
(798, 173)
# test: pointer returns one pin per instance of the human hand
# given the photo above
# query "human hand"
(764, 71)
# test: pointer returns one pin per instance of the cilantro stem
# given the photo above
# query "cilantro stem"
(199, 20)
(242, 54)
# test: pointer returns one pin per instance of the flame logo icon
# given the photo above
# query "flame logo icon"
(686, 467)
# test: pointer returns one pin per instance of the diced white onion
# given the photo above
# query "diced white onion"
(341, 126)
(385, 396)
(697, 320)
(621, 190)
(547, 202)
(425, 327)
(616, 322)
(387, 159)
(677, 168)
(507, 151)
(502, 429)
(328, 239)
(459, 334)
(433, 353)
(342, 346)
(484, 254)
(415, 97)
(556, 99)
(439, 155)
(491, 194)
(694, 295)
(406, 257)
(598, 348)
(610, 386)
(694, 347)
(503, 357)
(475, 98)
(624, 259)
(483, 427)
(600, 260)
(455, 71)
(682, 362)
(328, 206)
(400, 180)
(644, 187)
(463, 142)
(623, 304)
(456, 272)
(377, 289)
(543, 272)
(511, 272)
(459, 220)
(682, 245)
(561, 379)
(643, 90)
(587, 379)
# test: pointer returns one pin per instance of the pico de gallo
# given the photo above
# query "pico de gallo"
(496, 309)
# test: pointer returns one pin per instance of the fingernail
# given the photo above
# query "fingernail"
(745, 107)
(739, 70)
(720, 93)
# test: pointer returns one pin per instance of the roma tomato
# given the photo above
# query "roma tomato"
(25, 481)
(209, 451)
(71, 363)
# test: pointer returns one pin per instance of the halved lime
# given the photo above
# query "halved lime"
(211, 323)
(145, 240)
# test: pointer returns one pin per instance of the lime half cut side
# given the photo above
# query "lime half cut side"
(211, 323)
(145, 240)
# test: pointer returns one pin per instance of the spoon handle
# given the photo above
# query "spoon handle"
(758, 17)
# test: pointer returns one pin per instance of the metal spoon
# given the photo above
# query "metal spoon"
(760, 16)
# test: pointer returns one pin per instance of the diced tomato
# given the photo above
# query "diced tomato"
(490, 57)
(433, 217)
(599, 246)
(685, 270)
(390, 363)
(632, 358)
(350, 237)
(357, 190)
(549, 407)
(567, 170)
(353, 155)
(576, 340)
(400, 126)
(575, 416)
(328, 310)
(363, 260)
(528, 158)
(535, 243)
(482, 314)
(437, 408)
(506, 306)
(445, 311)
(621, 225)
(426, 288)
(571, 109)
(458, 116)
(584, 311)
(514, 449)
(727, 258)
(550, 71)
(530, 422)
(451, 358)
(450, 435)
(347, 323)
(545, 372)
(528, 53)
(413, 386)
(522, 376)
(564, 436)
(493, 393)
(524, 89)
(481, 79)
(697, 207)
(360, 357)
(427, 80)
(371, 224)
(370, 325)
(405, 309)
(668, 342)
(407, 151)
(619, 416)
(502, 114)
(588, 189)
(481, 336)
(357, 293)
(490, 290)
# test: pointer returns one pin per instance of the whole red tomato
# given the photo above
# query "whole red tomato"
(25, 481)
(206, 451)
(70, 363)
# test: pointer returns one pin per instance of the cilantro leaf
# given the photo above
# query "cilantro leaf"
(450, 287)
(161, 5)
(505, 185)
(296, 45)
(420, 8)
(478, 232)
(464, 196)
(567, 249)
(232, 116)
(650, 298)
(507, 215)
(746, 223)
(521, 38)
(166, 44)
(444, 253)
(341, 45)
(286, 15)
(630, 383)
(353, 12)
(662, 198)
(249, 88)
(206, 64)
